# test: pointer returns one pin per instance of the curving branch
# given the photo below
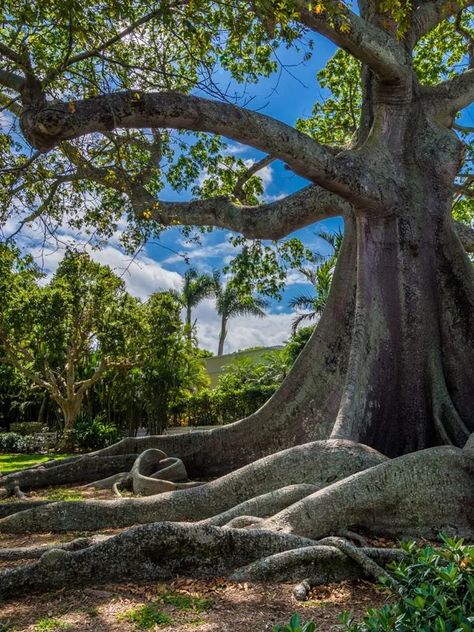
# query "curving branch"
(363, 40)
(238, 191)
(267, 221)
(46, 126)
(453, 95)
(429, 14)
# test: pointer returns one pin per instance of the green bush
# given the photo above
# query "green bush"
(296, 625)
(12, 442)
(26, 428)
(95, 434)
(435, 592)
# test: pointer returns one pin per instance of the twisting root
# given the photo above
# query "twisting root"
(155, 551)
(316, 464)
(35, 552)
(369, 566)
(17, 492)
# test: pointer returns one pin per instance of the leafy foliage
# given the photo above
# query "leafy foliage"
(435, 593)
(95, 434)
(296, 625)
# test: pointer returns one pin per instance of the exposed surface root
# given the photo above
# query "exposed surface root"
(317, 464)
(367, 564)
(318, 564)
(155, 551)
(419, 494)
(264, 505)
(35, 552)
(83, 469)
(9, 508)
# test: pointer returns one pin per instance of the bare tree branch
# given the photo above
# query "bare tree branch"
(11, 80)
(20, 60)
(371, 45)
(429, 14)
(238, 191)
(453, 95)
(47, 126)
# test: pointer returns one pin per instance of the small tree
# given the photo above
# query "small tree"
(65, 336)
(196, 288)
(170, 368)
(320, 277)
(231, 301)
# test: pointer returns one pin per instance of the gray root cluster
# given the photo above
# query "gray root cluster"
(287, 516)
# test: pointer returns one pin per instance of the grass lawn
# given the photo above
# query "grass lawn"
(12, 462)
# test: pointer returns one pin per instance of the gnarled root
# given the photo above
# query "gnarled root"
(318, 564)
(418, 494)
(84, 469)
(35, 552)
(317, 464)
(155, 551)
(163, 550)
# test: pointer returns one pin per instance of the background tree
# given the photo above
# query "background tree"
(196, 287)
(231, 301)
(320, 277)
(65, 336)
(171, 369)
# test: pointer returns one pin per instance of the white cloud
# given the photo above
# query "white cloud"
(142, 275)
(243, 331)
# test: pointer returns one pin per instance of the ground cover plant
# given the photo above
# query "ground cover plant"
(372, 430)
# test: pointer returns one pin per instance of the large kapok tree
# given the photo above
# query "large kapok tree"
(370, 429)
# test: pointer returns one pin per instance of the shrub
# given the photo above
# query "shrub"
(26, 428)
(95, 434)
(296, 625)
(435, 592)
(12, 442)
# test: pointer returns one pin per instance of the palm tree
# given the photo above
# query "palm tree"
(231, 301)
(320, 278)
(196, 288)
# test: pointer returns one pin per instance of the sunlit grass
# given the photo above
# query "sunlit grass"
(13, 462)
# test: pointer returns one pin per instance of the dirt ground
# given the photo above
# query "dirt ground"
(182, 605)
(229, 607)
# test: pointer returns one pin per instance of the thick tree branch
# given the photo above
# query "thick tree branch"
(363, 40)
(466, 235)
(453, 95)
(11, 80)
(46, 126)
(267, 221)
(429, 14)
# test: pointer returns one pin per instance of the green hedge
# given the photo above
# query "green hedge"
(213, 407)
(26, 428)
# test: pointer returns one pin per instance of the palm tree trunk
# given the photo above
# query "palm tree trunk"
(222, 336)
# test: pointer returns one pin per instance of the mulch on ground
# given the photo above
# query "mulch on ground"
(233, 607)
